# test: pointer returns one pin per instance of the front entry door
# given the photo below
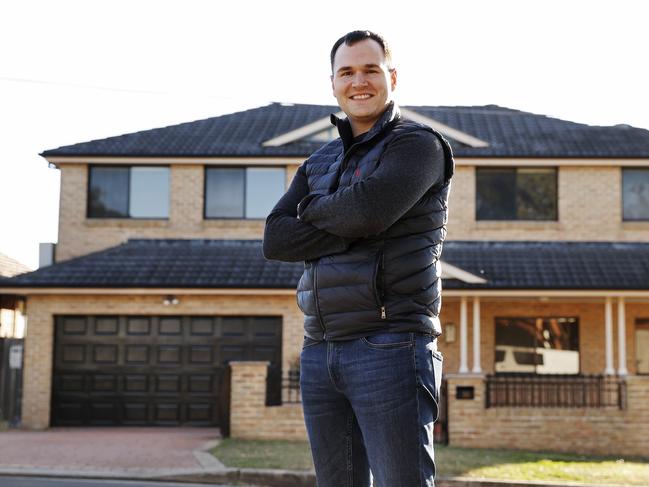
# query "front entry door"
(642, 345)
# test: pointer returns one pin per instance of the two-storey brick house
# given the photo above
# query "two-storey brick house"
(160, 281)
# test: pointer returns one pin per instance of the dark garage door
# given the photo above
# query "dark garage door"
(153, 370)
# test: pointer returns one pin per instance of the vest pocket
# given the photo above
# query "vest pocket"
(348, 288)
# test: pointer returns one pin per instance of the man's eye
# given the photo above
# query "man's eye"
(346, 73)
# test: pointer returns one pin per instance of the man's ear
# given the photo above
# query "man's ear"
(333, 89)
(393, 78)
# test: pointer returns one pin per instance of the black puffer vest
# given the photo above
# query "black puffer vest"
(389, 282)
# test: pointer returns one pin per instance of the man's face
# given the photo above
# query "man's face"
(362, 83)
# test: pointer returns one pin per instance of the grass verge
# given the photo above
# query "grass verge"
(460, 462)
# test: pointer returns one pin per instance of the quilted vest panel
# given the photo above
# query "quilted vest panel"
(389, 282)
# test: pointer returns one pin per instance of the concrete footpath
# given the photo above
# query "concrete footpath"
(163, 454)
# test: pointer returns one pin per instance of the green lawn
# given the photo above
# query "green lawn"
(460, 462)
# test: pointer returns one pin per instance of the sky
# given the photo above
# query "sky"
(73, 71)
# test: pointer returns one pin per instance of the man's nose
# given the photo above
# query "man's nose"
(359, 79)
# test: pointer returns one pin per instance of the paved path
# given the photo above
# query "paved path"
(46, 482)
(103, 449)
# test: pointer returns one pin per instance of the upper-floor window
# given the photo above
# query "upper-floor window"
(242, 192)
(635, 194)
(128, 192)
(518, 193)
(537, 345)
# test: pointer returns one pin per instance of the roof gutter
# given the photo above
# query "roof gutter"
(511, 293)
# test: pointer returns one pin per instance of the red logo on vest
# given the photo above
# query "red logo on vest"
(357, 172)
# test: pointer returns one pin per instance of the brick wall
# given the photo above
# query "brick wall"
(591, 329)
(39, 341)
(589, 209)
(250, 418)
(79, 235)
(606, 431)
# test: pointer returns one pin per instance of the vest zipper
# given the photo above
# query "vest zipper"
(383, 313)
(379, 294)
(315, 297)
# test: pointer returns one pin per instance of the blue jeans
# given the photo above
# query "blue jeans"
(370, 404)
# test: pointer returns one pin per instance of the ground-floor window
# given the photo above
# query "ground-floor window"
(642, 345)
(537, 345)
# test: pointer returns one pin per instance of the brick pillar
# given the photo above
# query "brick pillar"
(37, 372)
(247, 397)
(465, 416)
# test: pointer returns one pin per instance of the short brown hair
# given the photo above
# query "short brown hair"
(355, 36)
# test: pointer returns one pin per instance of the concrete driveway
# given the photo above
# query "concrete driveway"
(120, 451)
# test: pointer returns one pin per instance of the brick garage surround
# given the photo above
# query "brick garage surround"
(605, 431)
(39, 340)
(250, 418)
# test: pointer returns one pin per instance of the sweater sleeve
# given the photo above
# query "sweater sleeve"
(288, 239)
(409, 167)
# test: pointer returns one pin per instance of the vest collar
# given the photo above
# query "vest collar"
(390, 115)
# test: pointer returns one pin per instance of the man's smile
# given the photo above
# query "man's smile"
(363, 96)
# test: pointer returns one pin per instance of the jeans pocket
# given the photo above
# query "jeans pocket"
(389, 341)
(309, 342)
(438, 365)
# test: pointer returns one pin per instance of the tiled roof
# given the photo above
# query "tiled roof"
(240, 264)
(551, 265)
(510, 133)
(10, 267)
(169, 263)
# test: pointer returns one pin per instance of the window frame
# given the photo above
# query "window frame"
(633, 168)
(128, 192)
(516, 168)
(536, 317)
(245, 189)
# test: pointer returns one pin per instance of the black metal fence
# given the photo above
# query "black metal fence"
(11, 384)
(555, 391)
(291, 387)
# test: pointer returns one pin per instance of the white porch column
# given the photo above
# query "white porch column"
(608, 336)
(476, 336)
(621, 337)
(463, 337)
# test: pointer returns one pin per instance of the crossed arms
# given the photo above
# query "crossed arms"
(328, 224)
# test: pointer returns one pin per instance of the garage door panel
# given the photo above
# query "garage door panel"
(134, 383)
(201, 327)
(202, 384)
(105, 354)
(104, 383)
(200, 412)
(135, 413)
(73, 354)
(70, 383)
(201, 354)
(148, 370)
(170, 326)
(168, 355)
(138, 326)
(137, 355)
(166, 383)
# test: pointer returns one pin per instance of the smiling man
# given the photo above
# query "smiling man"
(367, 214)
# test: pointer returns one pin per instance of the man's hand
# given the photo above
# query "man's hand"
(289, 239)
(409, 167)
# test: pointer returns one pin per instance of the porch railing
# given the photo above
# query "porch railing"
(555, 391)
(291, 387)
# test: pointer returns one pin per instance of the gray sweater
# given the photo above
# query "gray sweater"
(327, 224)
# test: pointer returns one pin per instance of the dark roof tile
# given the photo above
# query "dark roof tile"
(240, 264)
(510, 133)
